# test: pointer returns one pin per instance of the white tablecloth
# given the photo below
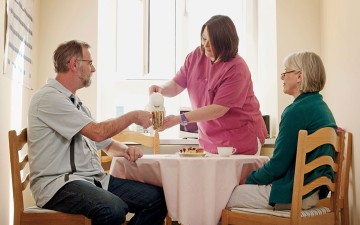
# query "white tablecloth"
(196, 188)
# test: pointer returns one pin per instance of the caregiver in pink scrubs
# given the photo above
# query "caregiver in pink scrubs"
(221, 92)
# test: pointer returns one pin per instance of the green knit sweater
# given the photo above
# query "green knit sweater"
(307, 112)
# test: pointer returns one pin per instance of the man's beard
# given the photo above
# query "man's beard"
(86, 80)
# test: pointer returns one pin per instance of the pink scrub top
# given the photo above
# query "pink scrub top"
(228, 84)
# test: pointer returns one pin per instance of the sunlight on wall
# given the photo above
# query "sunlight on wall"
(15, 122)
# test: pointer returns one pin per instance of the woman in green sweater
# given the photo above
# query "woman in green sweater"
(271, 185)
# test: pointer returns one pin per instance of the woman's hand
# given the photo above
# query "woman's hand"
(154, 88)
(169, 89)
(169, 121)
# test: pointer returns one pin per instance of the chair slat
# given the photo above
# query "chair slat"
(320, 181)
(322, 160)
(24, 162)
(25, 181)
(320, 137)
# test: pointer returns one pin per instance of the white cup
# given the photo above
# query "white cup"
(226, 151)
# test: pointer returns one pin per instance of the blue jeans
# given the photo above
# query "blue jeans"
(109, 207)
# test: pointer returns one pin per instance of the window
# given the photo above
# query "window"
(153, 37)
(146, 38)
(173, 33)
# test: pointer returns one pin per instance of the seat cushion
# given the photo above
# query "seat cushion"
(35, 209)
(315, 211)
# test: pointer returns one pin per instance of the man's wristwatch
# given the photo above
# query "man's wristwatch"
(184, 121)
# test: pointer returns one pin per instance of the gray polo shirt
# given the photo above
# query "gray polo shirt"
(53, 121)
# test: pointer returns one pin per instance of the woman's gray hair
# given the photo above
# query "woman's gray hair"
(311, 67)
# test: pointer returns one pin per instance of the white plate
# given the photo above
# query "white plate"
(192, 154)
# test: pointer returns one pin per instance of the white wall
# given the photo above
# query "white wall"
(340, 33)
(62, 21)
(328, 27)
(298, 29)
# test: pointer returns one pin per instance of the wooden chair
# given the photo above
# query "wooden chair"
(151, 141)
(267, 151)
(336, 205)
(20, 181)
(344, 184)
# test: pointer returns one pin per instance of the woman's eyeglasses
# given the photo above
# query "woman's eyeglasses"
(286, 72)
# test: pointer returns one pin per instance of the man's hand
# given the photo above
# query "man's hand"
(142, 118)
(132, 153)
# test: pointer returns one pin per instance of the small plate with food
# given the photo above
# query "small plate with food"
(192, 152)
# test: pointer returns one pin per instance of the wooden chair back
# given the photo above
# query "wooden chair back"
(151, 141)
(20, 181)
(344, 184)
(338, 188)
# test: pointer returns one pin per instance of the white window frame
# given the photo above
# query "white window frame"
(181, 39)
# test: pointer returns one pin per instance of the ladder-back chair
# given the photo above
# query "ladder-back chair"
(327, 213)
(20, 180)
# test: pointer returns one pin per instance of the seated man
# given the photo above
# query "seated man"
(65, 170)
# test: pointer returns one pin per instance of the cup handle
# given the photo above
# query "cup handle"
(234, 150)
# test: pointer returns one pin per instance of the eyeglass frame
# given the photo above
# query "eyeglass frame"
(86, 60)
(282, 75)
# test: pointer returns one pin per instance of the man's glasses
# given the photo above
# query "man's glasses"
(286, 72)
(86, 60)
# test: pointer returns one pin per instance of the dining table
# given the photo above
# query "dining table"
(196, 188)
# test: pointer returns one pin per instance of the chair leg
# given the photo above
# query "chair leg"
(224, 217)
(168, 220)
(344, 217)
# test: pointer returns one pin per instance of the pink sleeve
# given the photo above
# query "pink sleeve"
(181, 76)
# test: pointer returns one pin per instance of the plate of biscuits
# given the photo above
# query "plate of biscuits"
(192, 152)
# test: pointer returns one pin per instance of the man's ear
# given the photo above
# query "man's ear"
(73, 64)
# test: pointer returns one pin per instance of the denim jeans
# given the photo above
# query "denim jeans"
(110, 207)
